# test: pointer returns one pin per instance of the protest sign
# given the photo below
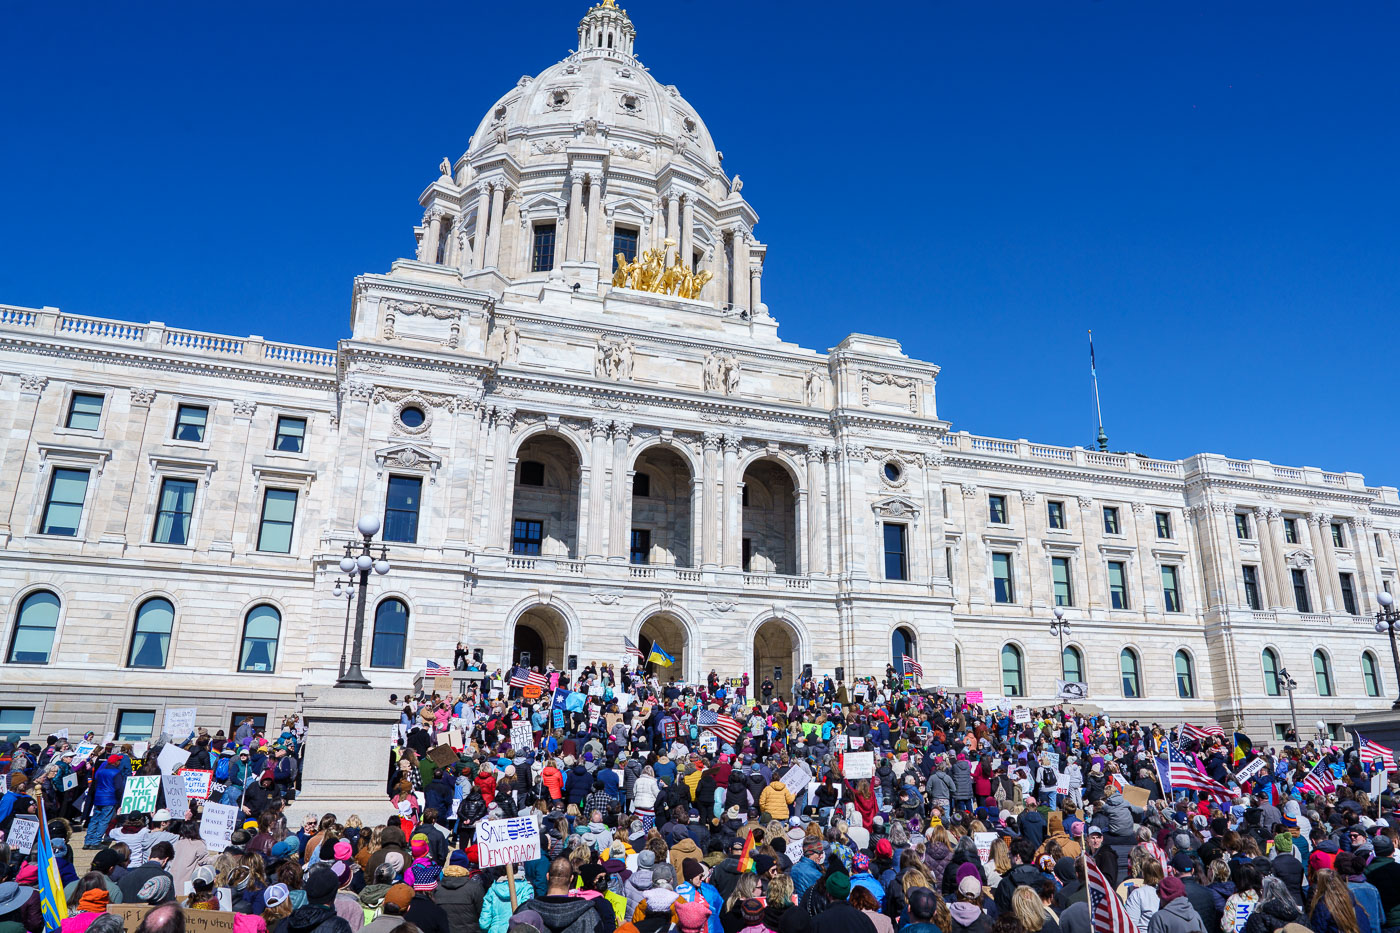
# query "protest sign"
(61, 734)
(196, 921)
(84, 749)
(984, 845)
(708, 743)
(668, 729)
(521, 735)
(454, 738)
(558, 719)
(596, 690)
(179, 722)
(1062, 782)
(1020, 715)
(139, 750)
(442, 755)
(1136, 796)
(838, 741)
(171, 758)
(857, 742)
(532, 691)
(197, 783)
(176, 798)
(859, 693)
(24, 832)
(857, 765)
(140, 794)
(974, 697)
(70, 781)
(1071, 690)
(507, 842)
(217, 825)
(1249, 770)
(797, 778)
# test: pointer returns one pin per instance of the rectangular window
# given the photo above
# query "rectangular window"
(641, 485)
(641, 546)
(625, 242)
(1348, 594)
(1171, 592)
(401, 509)
(1110, 520)
(1290, 530)
(948, 562)
(278, 515)
(1117, 584)
(543, 257)
(896, 558)
(1003, 585)
(174, 512)
(444, 239)
(746, 558)
(1164, 524)
(1251, 587)
(1242, 525)
(531, 473)
(1377, 538)
(190, 421)
(291, 435)
(259, 722)
(996, 510)
(17, 719)
(135, 725)
(1059, 574)
(1055, 513)
(84, 411)
(1338, 536)
(1300, 591)
(63, 511)
(526, 536)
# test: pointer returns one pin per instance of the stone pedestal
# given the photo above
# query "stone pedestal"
(346, 766)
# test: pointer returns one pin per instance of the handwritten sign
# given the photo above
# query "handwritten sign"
(708, 743)
(442, 755)
(24, 832)
(797, 778)
(217, 825)
(179, 722)
(1020, 715)
(197, 783)
(558, 719)
(1251, 769)
(196, 921)
(838, 741)
(984, 845)
(857, 765)
(857, 742)
(974, 697)
(532, 691)
(83, 750)
(176, 799)
(140, 794)
(507, 842)
(521, 735)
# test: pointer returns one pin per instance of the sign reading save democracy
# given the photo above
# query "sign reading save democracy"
(508, 841)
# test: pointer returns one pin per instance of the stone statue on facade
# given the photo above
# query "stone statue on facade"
(814, 388)
(612, 358)
(445, 166)
(510, 343)
(721, 372)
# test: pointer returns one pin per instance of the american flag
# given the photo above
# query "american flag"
(434, 669)
(1106, 911)
(1201, 732)
(520, 677)
(631, 648)
(726, 727)
(1319, 780)
(1371, 753)
(1182, 776)
(913, 668)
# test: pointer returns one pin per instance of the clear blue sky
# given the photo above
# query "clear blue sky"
(1210, 186)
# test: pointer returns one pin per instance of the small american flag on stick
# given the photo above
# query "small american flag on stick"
(913, 668)
(434, 669)
(726, 727)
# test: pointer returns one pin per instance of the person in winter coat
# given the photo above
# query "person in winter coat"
(683, 849)
(1350, 866)
(776, 799)
(1058, 835)
(962, 783)
(1334, 909)
(1383, 872)
(578, 783)
(940, 788)
(495, 906)
(460, 896)
(1119, 816)
(108, 786)
(1174, 912)
(1142, 901)
(1287, 867)
(318, 916)
(967, 913)
(1275, 908)
(1032, 824)
(863, 799)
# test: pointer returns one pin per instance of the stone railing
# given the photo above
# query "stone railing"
(1023, 449)
(155, 335)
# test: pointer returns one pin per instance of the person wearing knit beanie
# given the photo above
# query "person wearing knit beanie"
(1283, 842)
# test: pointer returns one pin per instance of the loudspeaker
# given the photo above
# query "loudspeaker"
(840, 674)
(573, 662)
(524, 659)
(777, 672)
(806, 672)
(478, 655)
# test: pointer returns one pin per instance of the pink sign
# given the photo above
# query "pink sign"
(554, 681)
(974, 697)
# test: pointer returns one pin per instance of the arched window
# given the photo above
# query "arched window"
(390, 634)
(1012, 682)
(902, 643)
(1371, 673)
(1323, 672)
(34, 629)
(260, 629)
(1185, 677)
(150, 640)
(1128, 667)
(1072, 664)
(1270, 662)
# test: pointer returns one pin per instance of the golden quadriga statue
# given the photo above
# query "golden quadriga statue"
(649, 273)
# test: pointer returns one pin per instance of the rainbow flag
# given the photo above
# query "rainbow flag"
(52, 903)
(746, 859)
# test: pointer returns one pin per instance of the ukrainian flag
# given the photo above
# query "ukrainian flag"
(658, 656)
(52, 903)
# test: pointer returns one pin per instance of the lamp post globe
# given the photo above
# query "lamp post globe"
(368, 525)
(364, 563)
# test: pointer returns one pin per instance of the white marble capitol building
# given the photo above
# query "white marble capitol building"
(565, 453)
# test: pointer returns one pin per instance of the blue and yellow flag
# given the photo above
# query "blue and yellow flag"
(52, 903)
(658, 656)
(1243, 746)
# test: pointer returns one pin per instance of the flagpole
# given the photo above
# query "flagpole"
(1098, 408)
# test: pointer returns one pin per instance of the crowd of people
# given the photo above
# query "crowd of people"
(661, 807)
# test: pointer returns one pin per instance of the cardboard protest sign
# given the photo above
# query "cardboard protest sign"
(1136, 796)
(218, 825)
(197, 783)
(507, 842)
(857, 765)
(442, 683)
(521, 735)
(171, 758)
(1020, 715)
(179, 722)
(140, 794)
(176, 799)
(442, 755)
(797, 778)
(24, 832)
(196, 921)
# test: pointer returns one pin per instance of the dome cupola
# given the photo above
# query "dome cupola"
(606, 27)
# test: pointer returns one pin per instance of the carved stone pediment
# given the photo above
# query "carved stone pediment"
(1300, 559)
(896, 507)
(409, 458)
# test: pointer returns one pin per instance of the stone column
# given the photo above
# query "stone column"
(860, 540)
(493, 243)
(1283, 580)
(756, 286)
(621, 519)
(430, 239)
(1363, 547)
(483, 214)
(733, 521)
(709, 502)
(576, 222)
(595, 217)
(721, 270)
(1264, 524)
(697, 498)
(742, 283)
(501, 490)
(816, 512)
(673, 224)
(687, 237)
(658, 222)
(1328, 580)
(597, 488)
(832, 511)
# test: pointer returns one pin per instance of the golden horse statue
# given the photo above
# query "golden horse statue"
(649, 273)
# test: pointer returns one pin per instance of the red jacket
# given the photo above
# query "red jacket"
(487, 784)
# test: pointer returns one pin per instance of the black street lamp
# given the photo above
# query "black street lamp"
(1387, 617)
(1286, 682)
(364, 562)
(345, 588)
(1061, 628)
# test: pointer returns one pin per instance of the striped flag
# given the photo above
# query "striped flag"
(1106, 911)
(1200, 733)
(1372, 753)
(1319, 780)
(1181, 775)
(912, 667)
(434, 669)
(521, 677)
(631, 648)
(726, 727)
(52, 904)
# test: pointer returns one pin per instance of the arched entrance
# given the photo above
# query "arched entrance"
(661, 511)
(769, 540)
(544, 632)
(775, 646)
(668, 634)
(902, 642)
(544, 504)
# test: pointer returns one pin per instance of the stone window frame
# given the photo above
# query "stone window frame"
(65, 457)
(163, 467)
(288, 412)
(267, 477)
(61, 428)
(1020, 588)
(176, 401)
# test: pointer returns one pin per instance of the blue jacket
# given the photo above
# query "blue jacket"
(712, 897)
(108, 785)
(609, 778)
(868, 881)
(804, 874)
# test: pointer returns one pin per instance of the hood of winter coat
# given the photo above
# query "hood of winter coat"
(559, 913)
(310, 917)
(373, 895)
(965, 913)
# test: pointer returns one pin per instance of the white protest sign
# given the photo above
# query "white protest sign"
(61, 734)
(217, 825)
(140, 794)
(521, 736)
(797, 778)
(139, 749)
(857, 765)
(838, 741)
(984, 844)
(1251, 769)
(708, 743)
(171, 758)
(70, 781)
(507, 842)
(1062, 782)
(24, 832)
(176, 799)
(1020, 715)
(179, 722)
(197, 783)
(83, 750)
(857, 742)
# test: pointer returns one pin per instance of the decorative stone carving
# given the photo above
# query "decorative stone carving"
(635, 153)
(610, 403)
(896, 507)
(427, 399)
(722, 605)
(1299, 559)
(361, 391)
(508, 348)
(244, 408)
(30, 382)
(711, 440)
(607, 599)
(142, 395)
(666, 601)
(548, 146)
(1138, 507)
(407, 457)
(1028, 496)
(1084, 502)
(722, 372)
(613, 357)
(814, 388)
(716, 417)
(969, 490)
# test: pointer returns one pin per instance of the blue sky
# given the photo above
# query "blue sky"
(1210, 186)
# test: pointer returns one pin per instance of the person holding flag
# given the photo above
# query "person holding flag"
(659, 657)
(52, 904)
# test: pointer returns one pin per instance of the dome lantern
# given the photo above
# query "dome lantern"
(606, 28)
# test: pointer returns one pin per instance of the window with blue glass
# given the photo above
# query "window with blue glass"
(278, 517)
(543, 258)
(291, 435)
(640, 552)
(401, 509)
(150, 639)
(63, 511)
(174, 512)
(1003, 582)
(896, 552)
(625, 242)
(190, 422)
(84, 411)
(260, 630)
(35, 626)
(526, 536)
(390, 634)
